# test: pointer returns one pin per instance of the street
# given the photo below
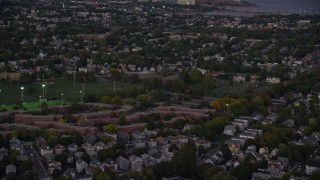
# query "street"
(38, 166)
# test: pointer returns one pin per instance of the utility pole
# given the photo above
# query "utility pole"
(74, 78)
(83, 88)
(46, 87)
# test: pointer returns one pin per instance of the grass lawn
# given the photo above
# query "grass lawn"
(12, 93)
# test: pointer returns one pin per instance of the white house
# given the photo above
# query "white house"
(81, 165)
(136, 163)
(100, 145)
(312, 166)
(229, 130)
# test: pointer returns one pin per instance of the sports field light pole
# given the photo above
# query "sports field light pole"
(43, 86)
(22, 88)
(40, 100)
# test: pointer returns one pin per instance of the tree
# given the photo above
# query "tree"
(185, 160)
(61, 158)
(152, 83)
(149, 173)
(111, 128)
(29, 175)
(284, 150)
(140, 151)
(195, 76)
(223, 175)
(106, 99)
(13, 155)
(122, 119)
(159, 95)
(242, 171)
(201, 150)
(11, 176)
(26, 166)
(208, 81)
(103, 176)
(90, 98)
(287, 176)
(86, 157)
(117, 100)
(227, 155)
(249, 142)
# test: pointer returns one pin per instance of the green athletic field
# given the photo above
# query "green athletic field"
(12, 93)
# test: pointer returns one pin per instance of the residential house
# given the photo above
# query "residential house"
(46, 151)
(201, 142)
(234, 146)
(71, 173)
(15, 143)
(182, 138)
(275, 166)
(11, 168)
(151, 143)
(187, 127)
(138, 135)
(262, 174)
(247, 135)
(69, 158)
(109, 164)
(3, 151)
(274, 152)
(138, 143)
(17, 147)
(232, 163)
(264, 151)
(40, 141)
(229, 130)
(100, 145)
(161, 140)
(54, 166)
(81, 165)
(77, 155)
(168, 155)
(148, 160)
(136, 163)
(251, 149)
(89, 148)
(149, 133)
(73, 147)
(123, 163)
(215, 159)
(59, 149)
(95, 163)
(312, 166)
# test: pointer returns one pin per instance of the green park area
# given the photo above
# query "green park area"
(56, 90)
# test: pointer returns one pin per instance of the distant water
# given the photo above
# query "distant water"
(284, 6)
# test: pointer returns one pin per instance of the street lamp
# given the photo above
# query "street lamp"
(43, 86)
(22, 88)
(62, 98)
(81, 97)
